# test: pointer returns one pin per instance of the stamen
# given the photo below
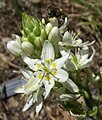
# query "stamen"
(54, 65)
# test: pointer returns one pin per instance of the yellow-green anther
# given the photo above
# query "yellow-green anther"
(28, 48)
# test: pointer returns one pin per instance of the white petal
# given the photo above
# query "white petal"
(77, 42)
(62, 75)
(63, 52)
(71, 86)
(70, 65)
(63, 27)
(66, 97)
(28, 103)
(67, 38)
(32, 84)
(26, 73)
(48, 86)
(88, 61)
(20, 89)
(47, 51)
(30, 62)
(84, 58)
(38, 107)
(60, 62)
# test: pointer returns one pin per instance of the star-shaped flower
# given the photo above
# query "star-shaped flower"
(47, 70)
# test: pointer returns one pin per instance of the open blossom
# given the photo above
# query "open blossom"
(47, 70)
(80, 60)
(71, 39)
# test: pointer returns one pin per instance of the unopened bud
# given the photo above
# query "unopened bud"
(15, 47)
(54, 35)
(37, 31)
(43, 34)
(67, 38)
(28, 48)
(38, 42)
(31, 37)
(24, 39)
(48, 28)
(54, 22)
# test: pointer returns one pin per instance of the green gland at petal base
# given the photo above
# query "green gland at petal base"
(28, 48)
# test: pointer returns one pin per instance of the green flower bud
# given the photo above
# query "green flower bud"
(24, 39)
(26, 31)
(31, 37)
(43, 34)
(30, 23)
(43, 21)
(28, 48)
(48, 28)
(37, 31)
(27, 21)
(54, 35)
(38, 42)
(15, 46)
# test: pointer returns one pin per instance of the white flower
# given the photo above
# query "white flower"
(80, 60)
(73, 40)
(47, 70)
(31, 88)
(14, 46)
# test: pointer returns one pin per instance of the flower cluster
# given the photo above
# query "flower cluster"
(46, 50)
